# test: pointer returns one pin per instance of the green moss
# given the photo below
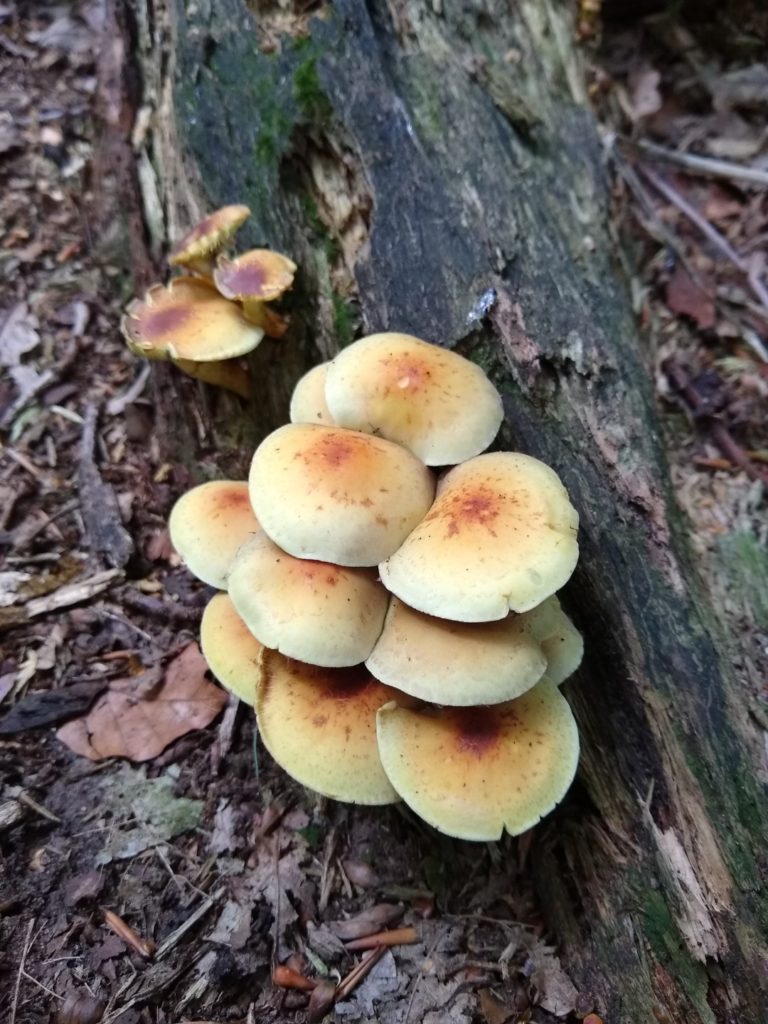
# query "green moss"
(745, 560)
(310, 97)
(343, 321)
(669, 949)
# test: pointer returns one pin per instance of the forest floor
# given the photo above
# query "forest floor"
(154, 865)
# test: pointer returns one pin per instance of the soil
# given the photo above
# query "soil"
(169, 890)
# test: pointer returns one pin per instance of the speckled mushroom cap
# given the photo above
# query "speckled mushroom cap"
(308, 403)
(317, 612)
(232, 652)
(257, 274)
(188, 319)
(208, 236)
(209, 524)
(439, 405)
(319, 724)
(500, 535)
(472, 772)
(456, 663)
(337, 495)
(561, 642)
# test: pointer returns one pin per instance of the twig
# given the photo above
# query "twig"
(167, 944)
(392, 937)
(25, 798)
(705, 164)
(348, 984)
(21, 972)
(709, 231)
(116, 405)
(720, 434)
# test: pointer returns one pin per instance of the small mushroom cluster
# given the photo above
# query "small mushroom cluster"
(393, 621)
(217, 311)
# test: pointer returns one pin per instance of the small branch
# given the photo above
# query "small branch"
(21, 971)
(705, 164)
(710, 232)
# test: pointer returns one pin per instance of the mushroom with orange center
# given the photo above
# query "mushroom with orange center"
(308, 403)
(232, 652)
(435, 402)
(457, 663)
(337, 495)
(472, 772)
(320, 613)
(189, 323)
(198, 248)
(500, 536)
(254, 278)
(319, 724)
(209, 524)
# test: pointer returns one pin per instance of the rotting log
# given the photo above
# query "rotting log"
(434, 169)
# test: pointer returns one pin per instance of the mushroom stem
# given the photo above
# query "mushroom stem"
(259, 313)
(224, 373)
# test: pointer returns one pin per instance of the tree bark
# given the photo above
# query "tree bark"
(434, 169)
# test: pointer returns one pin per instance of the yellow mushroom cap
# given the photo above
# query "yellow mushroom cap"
(209, 524)
(256, 274)
(319, 724)
(317, 612)
(308, 403)
(472, 772)
(337, 495)
(188, 319)
(456, 663)
(209, 235)
(561, 642)
(435, 402)
(232, 652)
(500, 535)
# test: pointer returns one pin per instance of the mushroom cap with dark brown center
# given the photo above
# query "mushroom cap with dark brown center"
(337, 495)
(456, 663)
(308, 403)
(320, 613)
(209, 235)
(232, 652)
(319, 724)
(438, 404)
(257, 274)
(500, 535)
(472, 772)
(188, 319)
(209, 524)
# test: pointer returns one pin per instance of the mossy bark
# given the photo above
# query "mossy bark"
(434, 169)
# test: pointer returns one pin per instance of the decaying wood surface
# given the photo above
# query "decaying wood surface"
(433, 168)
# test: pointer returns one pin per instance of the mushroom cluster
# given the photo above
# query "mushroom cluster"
(388, 597)
(217, 311)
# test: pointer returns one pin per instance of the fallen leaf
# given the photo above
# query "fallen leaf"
(155, 813)
(685, 297)
(644, 94)
(18, 334)
(233, 927)
(139, 725)
(224, 838)
(494, 1011)
(555, 992)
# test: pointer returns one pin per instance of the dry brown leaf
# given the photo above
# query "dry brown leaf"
(686, 297)
(137, 723)
(494, 1011)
